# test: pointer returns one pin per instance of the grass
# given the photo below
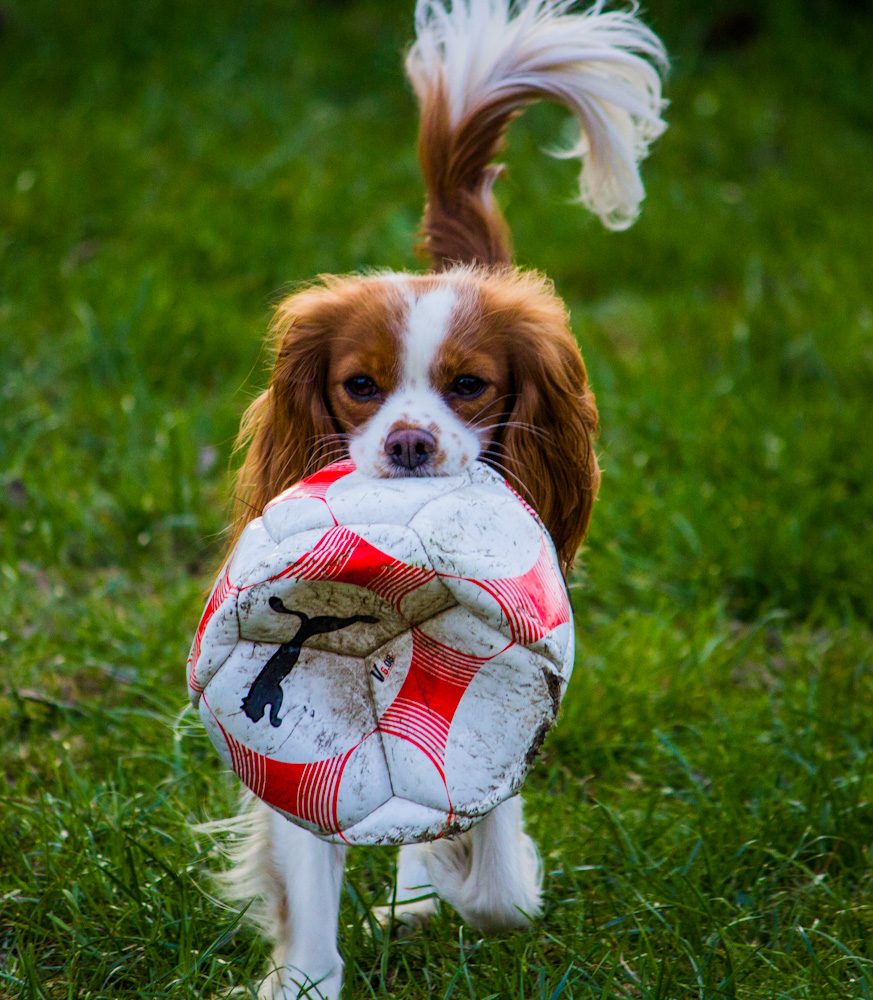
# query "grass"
(703, 806)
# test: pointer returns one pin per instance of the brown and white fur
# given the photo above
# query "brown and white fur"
(423, 374)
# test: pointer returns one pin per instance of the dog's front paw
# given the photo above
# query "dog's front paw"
(291, 983)
(403, 918)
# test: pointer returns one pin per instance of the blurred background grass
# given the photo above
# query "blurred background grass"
(166, 170)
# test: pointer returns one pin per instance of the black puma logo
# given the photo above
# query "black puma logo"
(267, 686)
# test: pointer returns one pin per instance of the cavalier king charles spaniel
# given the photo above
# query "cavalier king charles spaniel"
(423, 374)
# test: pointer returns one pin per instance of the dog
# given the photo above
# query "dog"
(424, 374)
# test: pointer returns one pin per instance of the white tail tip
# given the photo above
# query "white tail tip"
(604, 66)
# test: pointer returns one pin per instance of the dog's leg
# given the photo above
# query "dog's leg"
(491, 875)
(413, 882)
(309, 873)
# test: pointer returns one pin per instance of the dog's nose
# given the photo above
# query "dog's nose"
(408, 449)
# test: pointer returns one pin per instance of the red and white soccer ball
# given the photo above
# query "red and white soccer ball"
(380, 660)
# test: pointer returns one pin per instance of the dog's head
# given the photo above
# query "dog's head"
(422, 375)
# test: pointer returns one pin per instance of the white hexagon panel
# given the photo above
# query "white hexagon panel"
(380, 660)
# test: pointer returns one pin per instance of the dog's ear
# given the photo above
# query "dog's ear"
(288, 430)
(547, 441)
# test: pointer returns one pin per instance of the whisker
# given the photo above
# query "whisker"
(531, 428)
(348, 423)
(316, 458)
(506, 423)
(494, 402)
(251, 506)
(323, 446)
(327, 454)
(343, 438)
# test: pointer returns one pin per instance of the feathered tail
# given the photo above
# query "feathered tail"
(477, 64)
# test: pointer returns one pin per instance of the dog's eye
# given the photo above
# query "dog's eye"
(361, 387)
(468, 386)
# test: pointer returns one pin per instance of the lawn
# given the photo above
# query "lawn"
(704, 805)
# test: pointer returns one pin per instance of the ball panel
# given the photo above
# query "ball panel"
(478, 531)
(566, 635)
(216, 636)
(365, 784)
(481, 473)
(304, 506)
(530, 609)
(356, 499)
(460, 628)
(287, 517)
(255, 545)
(298, 707)
(400, 821)
(498, 727)
(331, 795)
(415, 758)
(317, 484)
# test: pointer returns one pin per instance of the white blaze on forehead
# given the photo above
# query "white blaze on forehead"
(427, 324)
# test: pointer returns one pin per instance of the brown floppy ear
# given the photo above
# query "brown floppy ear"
(288, 429)
(547, 442)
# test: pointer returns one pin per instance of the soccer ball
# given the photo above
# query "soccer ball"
(380, 660)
